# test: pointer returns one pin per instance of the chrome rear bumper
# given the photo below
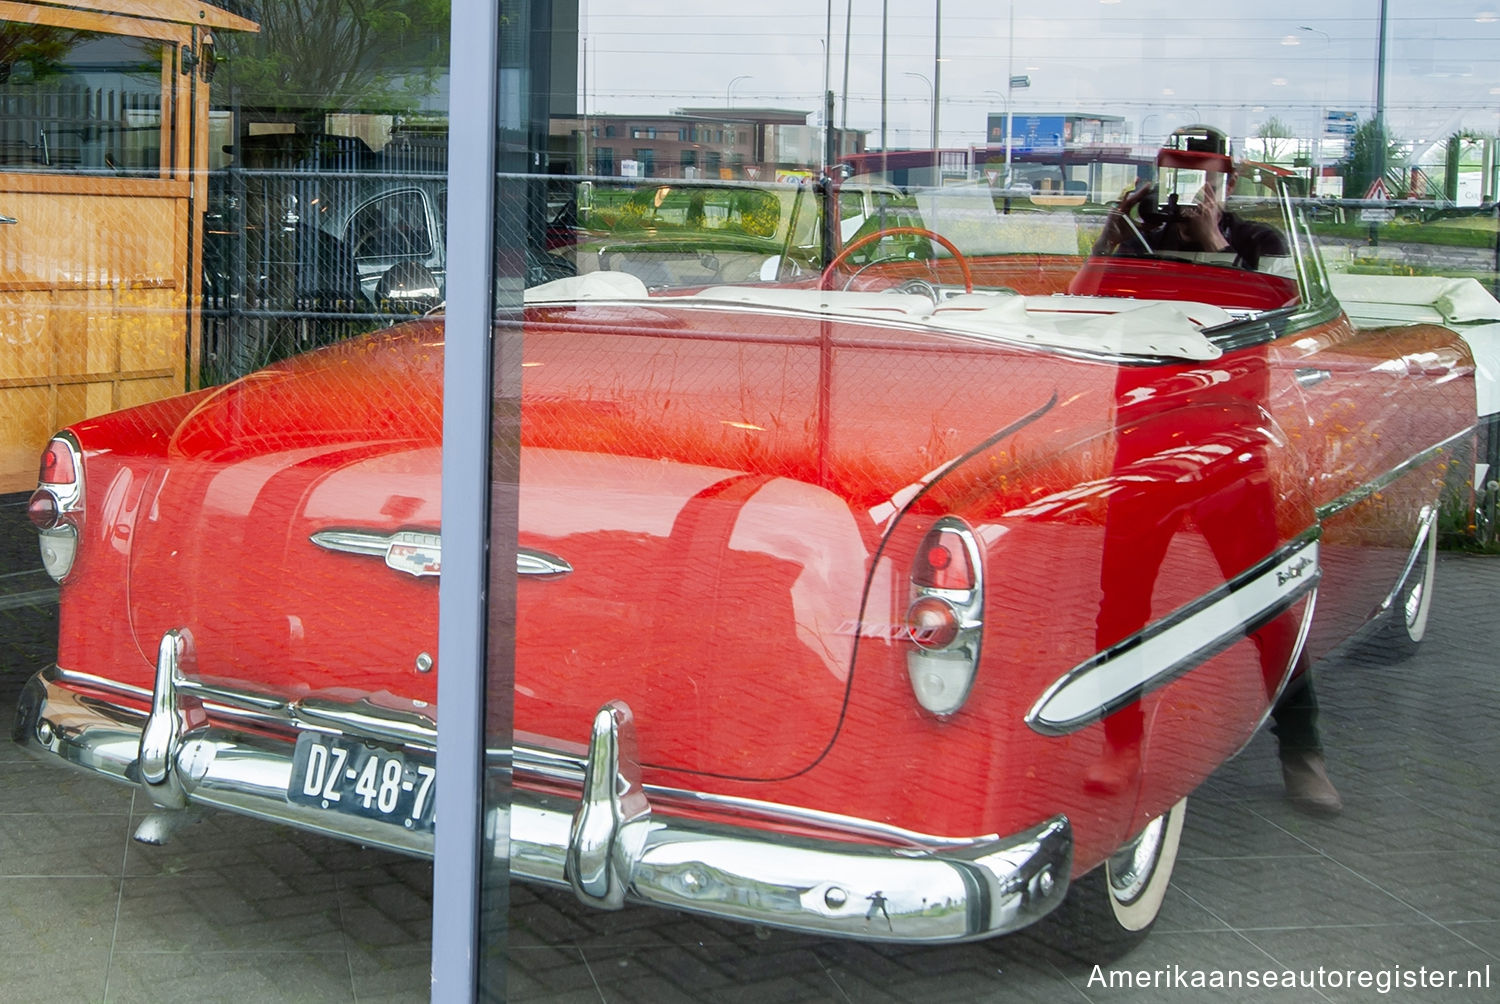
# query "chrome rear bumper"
(212, 747)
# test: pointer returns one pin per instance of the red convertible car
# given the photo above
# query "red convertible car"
(908, 601)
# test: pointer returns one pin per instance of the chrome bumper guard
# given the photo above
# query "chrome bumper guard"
(199, 746)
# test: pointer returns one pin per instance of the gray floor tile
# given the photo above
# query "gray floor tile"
(230, 911)
(42, 844)
(391, 975)
(1334, 959)
(1443, 886)
(1248, 893)
(215, 838)
(1484, 935)
(263, 976)
(55, 937)
(1222, 826)
(31, 786)
(1186, 966)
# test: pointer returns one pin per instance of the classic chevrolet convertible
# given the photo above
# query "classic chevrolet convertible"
(908, 601)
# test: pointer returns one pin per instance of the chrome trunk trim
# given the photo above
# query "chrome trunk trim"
(600, 837)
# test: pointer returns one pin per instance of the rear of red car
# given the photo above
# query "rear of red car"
(799, 597)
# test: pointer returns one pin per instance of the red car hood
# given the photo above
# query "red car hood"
(705, 542)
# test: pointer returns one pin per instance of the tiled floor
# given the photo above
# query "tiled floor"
(1408, 876)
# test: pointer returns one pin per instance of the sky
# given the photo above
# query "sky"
(1160, 64)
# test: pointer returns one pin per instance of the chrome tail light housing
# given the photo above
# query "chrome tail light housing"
(945, 616)
(56, 507)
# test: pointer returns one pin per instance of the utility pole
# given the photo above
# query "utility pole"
(937, 68)
(1380, 96)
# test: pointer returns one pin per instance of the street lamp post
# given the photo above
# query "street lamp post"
(1317, 150)
(1012, 81)
(885, 22)
(729, 91)
(931, 96)
(1148, 118)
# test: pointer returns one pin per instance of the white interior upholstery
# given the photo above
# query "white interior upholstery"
(1153, 328)
(1414, 298)
(589, 286)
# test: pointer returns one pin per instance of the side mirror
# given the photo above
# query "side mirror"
(408, 288)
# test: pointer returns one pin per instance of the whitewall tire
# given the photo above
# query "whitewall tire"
(1110, 910)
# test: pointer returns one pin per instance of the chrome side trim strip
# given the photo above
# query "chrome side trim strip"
(756, 874)
(353, 542)
(1384, 481)
(531, 562)
(418, 552)
(1160, 653)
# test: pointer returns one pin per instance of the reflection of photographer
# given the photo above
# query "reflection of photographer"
(1205, 225)
(1201, 225)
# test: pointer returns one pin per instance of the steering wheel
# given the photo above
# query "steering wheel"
(1119, 219)
(877, 235)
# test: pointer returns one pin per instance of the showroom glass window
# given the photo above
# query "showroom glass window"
(862, 499)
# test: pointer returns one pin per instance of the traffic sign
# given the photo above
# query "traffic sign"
(1340, 123)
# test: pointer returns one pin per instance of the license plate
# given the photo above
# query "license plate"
(345, 775)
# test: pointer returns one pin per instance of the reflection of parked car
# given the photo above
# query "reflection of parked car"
(322, 218)
(900, 617)
(698, 233)
(326, 233)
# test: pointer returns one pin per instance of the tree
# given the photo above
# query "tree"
(312, 57)
(1369, 147)
(40, 48)
(1273, 134)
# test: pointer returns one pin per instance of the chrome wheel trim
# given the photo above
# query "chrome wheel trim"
(1130, 869)
(1418, 600)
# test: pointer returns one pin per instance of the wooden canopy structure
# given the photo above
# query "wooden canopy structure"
(100, 263)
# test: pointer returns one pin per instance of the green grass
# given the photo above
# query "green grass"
(1462, 233)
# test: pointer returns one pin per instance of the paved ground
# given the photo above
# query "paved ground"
(1408, 876)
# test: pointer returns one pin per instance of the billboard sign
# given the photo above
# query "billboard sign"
(1031, 132)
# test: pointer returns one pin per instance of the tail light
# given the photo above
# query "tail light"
(945, 618)
(56, 507)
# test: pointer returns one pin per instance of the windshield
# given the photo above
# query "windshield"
(1111, 224)
(674, 235)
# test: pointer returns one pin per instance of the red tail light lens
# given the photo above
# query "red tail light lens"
(43, 510)
(57, 465)
(943, 562)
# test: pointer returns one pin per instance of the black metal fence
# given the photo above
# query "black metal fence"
(70, 126)
(288, 259)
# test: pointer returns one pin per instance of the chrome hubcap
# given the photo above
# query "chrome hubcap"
(1414, 604)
